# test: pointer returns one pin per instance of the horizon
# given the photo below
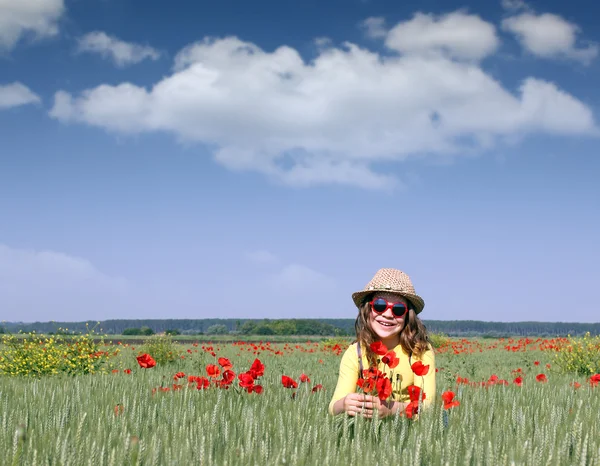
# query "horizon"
(292, 318)
(242, 160)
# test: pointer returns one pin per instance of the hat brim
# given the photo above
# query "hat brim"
(415, 300)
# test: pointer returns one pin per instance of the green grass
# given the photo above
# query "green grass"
(228, 338)
(71, 420)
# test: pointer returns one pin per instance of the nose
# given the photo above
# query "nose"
(388, 313)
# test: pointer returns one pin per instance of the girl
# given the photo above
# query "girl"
(387, 313)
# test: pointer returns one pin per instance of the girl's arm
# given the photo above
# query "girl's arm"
(347, 378)
(390, 408)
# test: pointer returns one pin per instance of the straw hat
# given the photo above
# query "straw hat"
(392, 281)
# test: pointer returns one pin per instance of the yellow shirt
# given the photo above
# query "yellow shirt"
(349, 368)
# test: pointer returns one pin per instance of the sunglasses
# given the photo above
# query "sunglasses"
(381, 305)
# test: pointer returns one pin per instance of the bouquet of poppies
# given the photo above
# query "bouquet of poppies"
(377, 383)
(374, 381)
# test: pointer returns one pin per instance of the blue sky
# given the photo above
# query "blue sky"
(242, 160)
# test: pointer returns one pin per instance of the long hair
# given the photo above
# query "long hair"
(413, 336)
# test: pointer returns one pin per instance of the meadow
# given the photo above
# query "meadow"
(509, 413)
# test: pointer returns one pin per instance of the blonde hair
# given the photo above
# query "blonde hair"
(413, 336)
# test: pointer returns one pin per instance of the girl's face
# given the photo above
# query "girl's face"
(386, 325)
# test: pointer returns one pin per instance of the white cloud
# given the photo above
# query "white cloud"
(20, 17)
(550, 109)
(16, 94)
(120, 52)
(460, 35)
(549, 36)
(374, 27)
(47, 283)
(332, 120)
(261, 256)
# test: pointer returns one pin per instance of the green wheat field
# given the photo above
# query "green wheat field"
(120, 418)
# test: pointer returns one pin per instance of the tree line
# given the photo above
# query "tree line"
(325, 327)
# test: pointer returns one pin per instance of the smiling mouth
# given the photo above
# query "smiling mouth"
(385, 324)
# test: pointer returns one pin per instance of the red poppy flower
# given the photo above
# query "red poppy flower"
(246, 380)
(390, 359)
(304, 378)
(372, 373)
(225, 363)
(146, 361)
(575, 384)
(449, 401)
(119, 409)
(257, 369)
(213, 371)
(594, 380)
(411, 409)
(536, 363)
(179, 375)
(518, 381)
(367, 385)
(370, 385)
(414, 392)
(202, 383)
(288, 382)
(541, 378)
(317, 387)
(384, 388)
(127, 371)
(257, 389)
(228, 376)
(378, 348)
(419, 368)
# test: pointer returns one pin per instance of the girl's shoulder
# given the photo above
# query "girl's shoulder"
(429, 351)
(352, 347)
(352, 351)
(428, 356)
(401, 351)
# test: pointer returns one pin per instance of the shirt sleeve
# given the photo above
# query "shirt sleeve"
(348, 376)
(427, 382)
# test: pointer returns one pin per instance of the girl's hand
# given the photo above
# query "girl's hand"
(359, 404)
(390, 408)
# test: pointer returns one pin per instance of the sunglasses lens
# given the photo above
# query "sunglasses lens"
(399, 309)
(379, 305)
